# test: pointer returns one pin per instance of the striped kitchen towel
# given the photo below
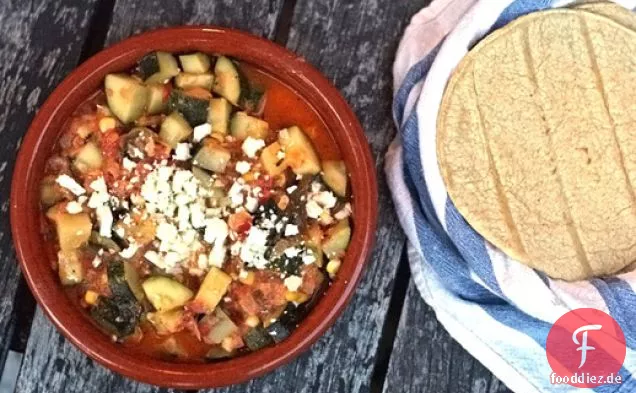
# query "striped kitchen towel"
(498, 309)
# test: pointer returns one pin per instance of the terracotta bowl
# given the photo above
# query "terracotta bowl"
(36, 262)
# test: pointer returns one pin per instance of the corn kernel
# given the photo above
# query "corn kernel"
(252, 321)
(107, 123)
(91, 297)
(247, 278)
(296, 297)
(248, 177)
(333, 266)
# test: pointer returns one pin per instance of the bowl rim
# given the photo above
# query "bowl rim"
(265, 54)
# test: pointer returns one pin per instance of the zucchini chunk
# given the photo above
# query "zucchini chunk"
(300, 155)
(50, 192)
(73, 230)
(212, 289)
(252, 100)
(104, 242)
(337, 239)
(167, 322)
(88, 158)
(167, 65)
(69, 267)
(218, 353)
(215, 327)
(244, 125)
(204, 178)
(269, 158)
(219, 115)
(116, 315)
(196, 63)
(166, 294)
(126, 97)
(227, 83)
(193, 108)
(212, 157)
(148, 65)
(186, 80)
(257, 338)
(334, 174)
(174, 129)
(134, 283)
(157, 98)
(117, 279)
(278, 331)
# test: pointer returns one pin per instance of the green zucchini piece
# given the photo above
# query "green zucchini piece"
(337, 239)
(117, 280)
(221, 327)
(257, 338)
(69, 267)
(126, 96)
(187, 80)
(218, 353)
(174, 129)
(252, 100)
(148, 65)
(278, 331)
(168, 67)
(165, 293)
(196, 63)
(243, 125)
(73, 230)
(193, 109)
(300, 154)
(50, 192)
(227, 83)
(134, 282)
(104, 242)
(219, 115)
(213, 158)
(204, 178)
(212, 289)
(157, 98)
(117, 315)
(334, 174)
(167, 322)
(88, 158)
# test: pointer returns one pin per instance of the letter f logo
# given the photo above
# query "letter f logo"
(584, 347)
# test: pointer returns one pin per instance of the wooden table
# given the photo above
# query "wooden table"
(388, 340)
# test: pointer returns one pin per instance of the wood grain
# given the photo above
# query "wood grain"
(429, 360)
(51, 364)
(40, 42)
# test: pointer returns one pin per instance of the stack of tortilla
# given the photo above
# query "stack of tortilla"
(536, 140)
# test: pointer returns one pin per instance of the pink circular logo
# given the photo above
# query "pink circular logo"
(585, 349)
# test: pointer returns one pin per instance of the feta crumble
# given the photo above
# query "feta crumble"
(74, 207)
(70, 184)
(291, 230)
(293, 283)
(201, 131)
(251, 146)
(243, 167)
(182, 152)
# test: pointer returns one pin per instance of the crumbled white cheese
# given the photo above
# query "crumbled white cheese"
(201, 131)
(313, 209)
(326, 199)
(182, 152)
(197, 216)
(291, 189)
(291, 230)
(74, 207)
(243, 274)
(236, 194)
(254, 247)
(293, 283)
(97, 261)
(166, 232)
(202, 261)
(105, 218)
(251, 204)
(243, 167)
(217, 255)
(130, 251)
(292, 252)
(129, 164)
(70, 184)
(216, 230)
(183, 217)
(308, 259)
(251, 146)
(235, 248)
(99, 185)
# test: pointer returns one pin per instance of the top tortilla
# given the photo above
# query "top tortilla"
(536, 141)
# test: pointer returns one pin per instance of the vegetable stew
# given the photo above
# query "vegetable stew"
(197, 206)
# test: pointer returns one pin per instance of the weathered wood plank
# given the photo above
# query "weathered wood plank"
(353, 43)
(51, 364)
(40, 41)
(425, 357)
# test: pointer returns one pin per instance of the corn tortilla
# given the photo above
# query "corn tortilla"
(536, 141)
